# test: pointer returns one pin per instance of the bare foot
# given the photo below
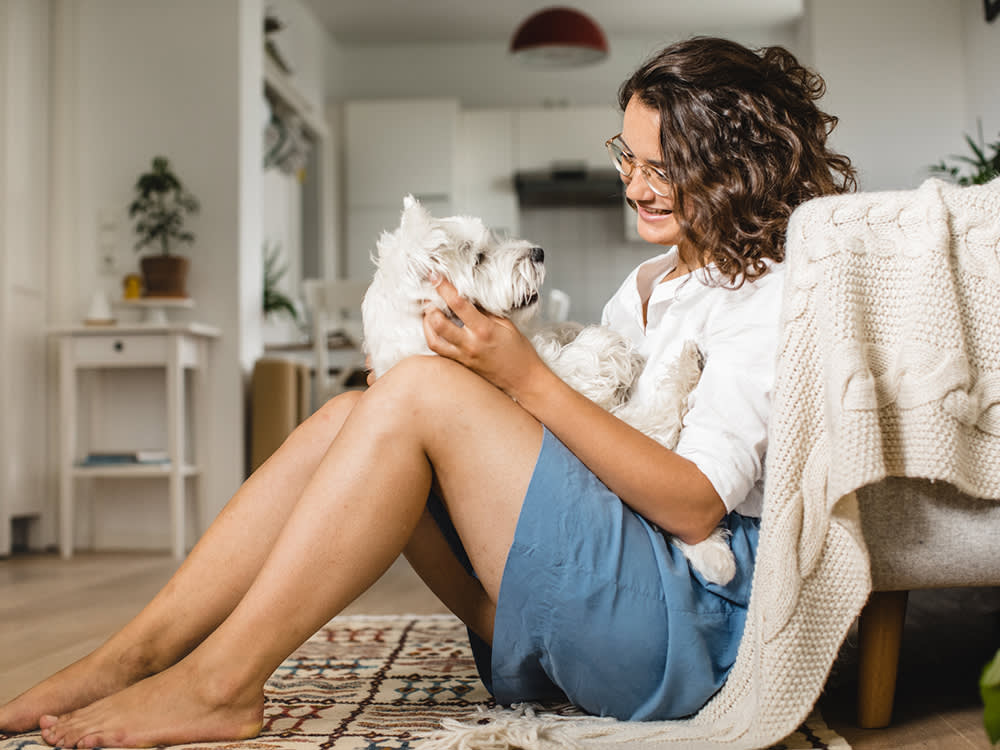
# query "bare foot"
(80, 684)
(170, 708)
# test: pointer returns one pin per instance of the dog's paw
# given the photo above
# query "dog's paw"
(712, 558)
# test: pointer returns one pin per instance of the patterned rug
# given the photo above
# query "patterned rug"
(386, 683)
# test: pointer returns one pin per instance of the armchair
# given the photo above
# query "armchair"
(903, 290)
(920, 535)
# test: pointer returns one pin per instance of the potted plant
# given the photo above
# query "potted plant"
(276, 302)
(160, 207)
(983, 166)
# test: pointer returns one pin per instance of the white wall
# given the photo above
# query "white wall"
(24, 237)
(483, 74)
(306, 47)
(981, 42)
(188, 91)
(281, 232)
(289, 218)
(894, 71)
(906, 78)
(191, 91)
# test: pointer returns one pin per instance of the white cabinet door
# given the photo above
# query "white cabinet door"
(573, 135)
(399, 146)
(365, 225)
(484, 184)
(485, 151)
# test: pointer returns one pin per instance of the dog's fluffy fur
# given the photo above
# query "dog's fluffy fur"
(504, 277)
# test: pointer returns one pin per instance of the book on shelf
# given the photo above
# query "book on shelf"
(109, 458)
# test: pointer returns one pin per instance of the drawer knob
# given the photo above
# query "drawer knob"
(119, 346)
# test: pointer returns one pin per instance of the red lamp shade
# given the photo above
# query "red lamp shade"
(559, 38)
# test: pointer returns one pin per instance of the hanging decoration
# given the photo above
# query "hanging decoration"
(286, 143)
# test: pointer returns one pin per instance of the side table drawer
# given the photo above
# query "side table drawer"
(109, 351)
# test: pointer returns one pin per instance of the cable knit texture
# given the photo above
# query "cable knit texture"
(889, 366)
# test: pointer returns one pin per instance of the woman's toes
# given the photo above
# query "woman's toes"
(52, 737)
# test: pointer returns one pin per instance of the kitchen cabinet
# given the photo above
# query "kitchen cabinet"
(395, 147)
(567, 136)
(455, 161)
(485, 174)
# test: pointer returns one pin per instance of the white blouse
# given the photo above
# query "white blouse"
(725, 430)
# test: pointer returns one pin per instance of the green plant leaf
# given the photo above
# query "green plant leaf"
(989, 689)
(980, 154)
(275, 301)
(983, 167)
(161, 204)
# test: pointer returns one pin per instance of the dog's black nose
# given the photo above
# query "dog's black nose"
(537, 255)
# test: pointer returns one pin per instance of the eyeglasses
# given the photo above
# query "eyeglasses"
(626, 162)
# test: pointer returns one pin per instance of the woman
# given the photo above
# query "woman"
(555, 506)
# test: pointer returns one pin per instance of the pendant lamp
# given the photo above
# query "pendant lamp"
(559, 37)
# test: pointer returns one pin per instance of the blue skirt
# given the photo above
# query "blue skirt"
(598, 607)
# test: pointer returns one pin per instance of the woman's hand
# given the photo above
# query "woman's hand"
(487, 344)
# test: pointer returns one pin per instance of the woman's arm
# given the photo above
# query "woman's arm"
(662, 486)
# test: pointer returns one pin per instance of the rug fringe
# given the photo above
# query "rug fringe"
(520, 726)
(526, 726)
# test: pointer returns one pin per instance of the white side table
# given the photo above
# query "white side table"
(175, 347)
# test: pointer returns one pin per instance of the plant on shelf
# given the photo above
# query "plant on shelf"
(275, 301)
(984, 166)
(161, 207)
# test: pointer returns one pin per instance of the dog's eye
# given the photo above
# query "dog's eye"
(480, 258)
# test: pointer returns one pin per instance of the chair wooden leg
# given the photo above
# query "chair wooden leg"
(880, 633)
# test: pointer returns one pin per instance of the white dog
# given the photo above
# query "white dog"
(504, 277)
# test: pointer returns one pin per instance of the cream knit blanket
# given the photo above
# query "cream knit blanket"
(889, 365)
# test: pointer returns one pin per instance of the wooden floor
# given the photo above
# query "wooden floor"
(54, 611)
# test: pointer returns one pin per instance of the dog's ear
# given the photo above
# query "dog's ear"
(415, 216)
(421, 238)
(413, 226)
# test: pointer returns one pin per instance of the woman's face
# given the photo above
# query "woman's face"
(641, 132)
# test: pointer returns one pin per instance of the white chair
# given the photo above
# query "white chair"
(557, 306)
(335, 309)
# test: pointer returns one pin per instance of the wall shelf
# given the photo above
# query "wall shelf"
(137, 470)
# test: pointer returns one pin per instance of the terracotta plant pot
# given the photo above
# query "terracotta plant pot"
(164, 275)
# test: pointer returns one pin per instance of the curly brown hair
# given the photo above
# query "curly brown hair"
(743, 144)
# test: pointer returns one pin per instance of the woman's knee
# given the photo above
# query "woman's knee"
(418, 368)
(330, 417)
(422, 378)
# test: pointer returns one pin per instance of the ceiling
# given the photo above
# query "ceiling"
(368, 22)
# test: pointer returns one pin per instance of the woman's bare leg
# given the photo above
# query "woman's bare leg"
(357, 514)
(206, 587)
(430, 556)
